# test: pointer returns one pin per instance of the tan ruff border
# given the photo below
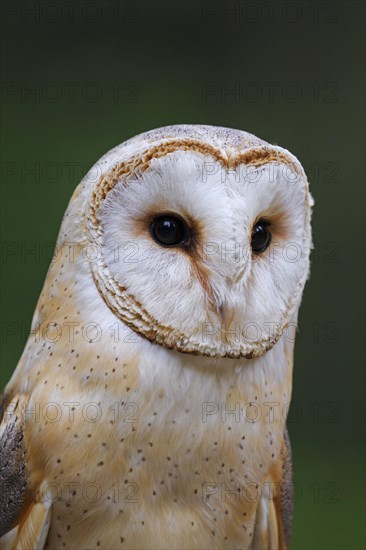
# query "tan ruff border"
(141, 162)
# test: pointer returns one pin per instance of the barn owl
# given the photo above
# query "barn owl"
(148, 409)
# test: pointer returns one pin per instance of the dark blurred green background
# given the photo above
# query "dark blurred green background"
(79, 77)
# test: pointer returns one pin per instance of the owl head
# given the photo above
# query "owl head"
(203, 238)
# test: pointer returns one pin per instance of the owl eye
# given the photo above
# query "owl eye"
(169, 230)
(261, 237)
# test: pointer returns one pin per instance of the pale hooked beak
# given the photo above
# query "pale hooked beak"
(227, 315)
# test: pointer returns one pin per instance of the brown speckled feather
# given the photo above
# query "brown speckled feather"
(13, 472)
(286, 500)
(273, 521)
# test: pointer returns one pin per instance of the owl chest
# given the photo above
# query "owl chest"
(180, 451)
(157, 481)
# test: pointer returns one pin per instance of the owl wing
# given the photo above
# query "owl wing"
(273, 521)
(24, 521)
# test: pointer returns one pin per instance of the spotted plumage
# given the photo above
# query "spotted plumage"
(148, 409)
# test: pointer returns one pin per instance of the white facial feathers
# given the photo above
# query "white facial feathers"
(214, 297)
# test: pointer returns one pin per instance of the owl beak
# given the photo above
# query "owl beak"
(227, 315)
